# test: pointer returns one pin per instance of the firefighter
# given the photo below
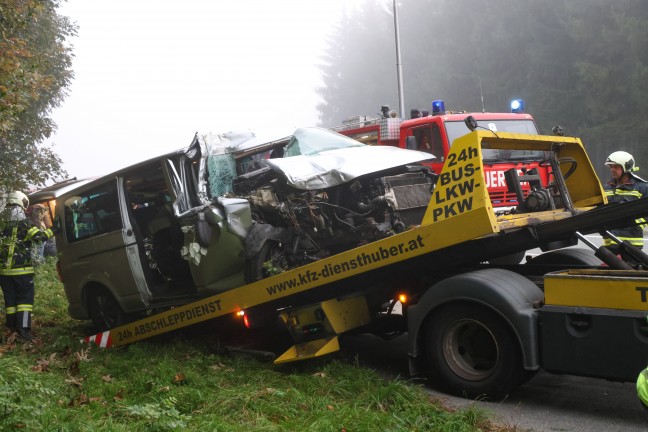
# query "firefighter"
(625, 186)
(17, 234)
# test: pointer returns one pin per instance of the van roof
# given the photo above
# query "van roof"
(56, 190)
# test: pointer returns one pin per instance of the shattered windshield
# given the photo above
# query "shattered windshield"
(309, 141)
(456, 129)
(312, 158)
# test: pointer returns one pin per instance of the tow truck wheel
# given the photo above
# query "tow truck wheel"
(515, 258)
(472, 353)
(104, 310)
(569, 257)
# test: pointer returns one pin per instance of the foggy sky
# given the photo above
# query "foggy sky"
(151, 73)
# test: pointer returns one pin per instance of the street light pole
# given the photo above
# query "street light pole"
(399, 66)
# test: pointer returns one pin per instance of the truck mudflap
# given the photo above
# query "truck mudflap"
(514, 298)
(594, 323)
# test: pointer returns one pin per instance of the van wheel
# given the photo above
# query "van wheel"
(268, 262)
(472, 353)
(104, 310)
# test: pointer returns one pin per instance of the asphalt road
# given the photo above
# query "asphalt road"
(547, 402)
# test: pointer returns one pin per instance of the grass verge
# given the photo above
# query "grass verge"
(184, 383)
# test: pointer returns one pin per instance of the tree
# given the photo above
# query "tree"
(359, 68)
(582, 64)
(35, 70)
(611, 78)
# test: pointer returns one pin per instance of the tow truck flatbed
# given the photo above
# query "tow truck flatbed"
(460, 230)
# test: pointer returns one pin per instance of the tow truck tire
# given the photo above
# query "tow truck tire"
(103, 309)
(515, 258)
(572, 256)
(472, 353)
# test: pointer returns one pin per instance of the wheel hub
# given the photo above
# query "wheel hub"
(470, 350)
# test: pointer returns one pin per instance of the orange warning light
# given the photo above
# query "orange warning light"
(402, 298)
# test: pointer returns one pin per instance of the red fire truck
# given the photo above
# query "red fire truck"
(434, 133)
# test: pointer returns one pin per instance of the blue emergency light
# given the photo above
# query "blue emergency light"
(438, 107)
(517, 106)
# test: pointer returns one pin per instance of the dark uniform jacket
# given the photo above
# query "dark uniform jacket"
(633, 189)
(16, 239)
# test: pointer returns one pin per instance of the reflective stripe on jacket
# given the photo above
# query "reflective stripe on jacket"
(632, 190)
(16, 239)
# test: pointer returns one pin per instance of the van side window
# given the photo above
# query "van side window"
(94, 212)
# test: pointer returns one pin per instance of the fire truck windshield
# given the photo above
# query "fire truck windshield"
(456, 129)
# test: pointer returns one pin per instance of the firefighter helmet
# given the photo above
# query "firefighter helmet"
(622, 158)
(18, 198)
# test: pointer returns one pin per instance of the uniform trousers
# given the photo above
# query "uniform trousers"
(18, 294)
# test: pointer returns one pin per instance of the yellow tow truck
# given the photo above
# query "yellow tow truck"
(475, 326)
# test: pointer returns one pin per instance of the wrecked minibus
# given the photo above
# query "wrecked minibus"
(225, 211)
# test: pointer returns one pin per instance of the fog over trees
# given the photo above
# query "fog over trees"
(582, 64)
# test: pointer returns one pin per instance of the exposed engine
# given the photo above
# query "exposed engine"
(294, 227)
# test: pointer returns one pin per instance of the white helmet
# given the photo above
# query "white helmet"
(622, 158)
(18, 198)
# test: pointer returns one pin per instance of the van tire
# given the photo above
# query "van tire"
(103, 309)
(269, 261)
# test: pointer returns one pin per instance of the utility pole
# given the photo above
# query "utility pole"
(399, 65)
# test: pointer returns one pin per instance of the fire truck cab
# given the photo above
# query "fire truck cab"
(434, 133)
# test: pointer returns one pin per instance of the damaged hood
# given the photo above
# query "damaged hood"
(334, 167)
(311, 158)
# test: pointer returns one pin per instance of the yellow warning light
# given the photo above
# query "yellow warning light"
(402, 298)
